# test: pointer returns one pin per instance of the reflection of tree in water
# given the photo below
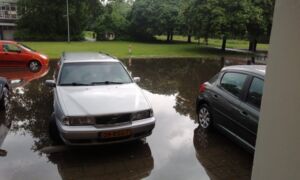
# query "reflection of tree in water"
(29, 109)
(176, 76)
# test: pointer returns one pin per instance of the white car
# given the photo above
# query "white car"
(97, 102)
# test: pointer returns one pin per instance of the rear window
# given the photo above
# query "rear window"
(214, 79)
(255, 92)
(233, 83)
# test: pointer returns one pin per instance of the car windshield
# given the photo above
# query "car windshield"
(94, 73)
(25, 47)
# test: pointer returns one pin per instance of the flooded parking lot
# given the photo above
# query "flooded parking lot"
(177, 149)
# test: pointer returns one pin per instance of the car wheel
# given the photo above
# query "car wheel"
(53, 131)
(205, 116)
(3, 101)
(34, 66)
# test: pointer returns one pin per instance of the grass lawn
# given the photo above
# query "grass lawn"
(231, 43)
(120, 49)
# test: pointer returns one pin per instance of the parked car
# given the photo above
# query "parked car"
(231, 101)
(4, 89)
(14, 54)
(97, 102)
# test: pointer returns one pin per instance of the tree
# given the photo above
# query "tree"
(208, 18)
(260, 21)
(185, 19)
(168, 17)
(113, 19)
(235, 19)
(46, 20)
(144, 21)
(154, 17)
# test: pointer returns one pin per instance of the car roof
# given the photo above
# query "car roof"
(256, 69)
(8, 42)
(87, 57)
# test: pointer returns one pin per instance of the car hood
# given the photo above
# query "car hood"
(101, 100)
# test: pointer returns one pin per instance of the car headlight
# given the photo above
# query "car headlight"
(142, 115)
(78, 121)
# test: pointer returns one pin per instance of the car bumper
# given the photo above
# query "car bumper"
(90, 135)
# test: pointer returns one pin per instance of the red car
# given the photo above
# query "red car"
(14, 54)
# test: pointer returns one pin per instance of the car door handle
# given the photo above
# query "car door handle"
(216, 96)
(244, 113)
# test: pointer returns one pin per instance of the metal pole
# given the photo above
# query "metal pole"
(68, 21)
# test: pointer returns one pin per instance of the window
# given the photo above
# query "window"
(93, 73)
(11, 48)
(233, 83)
(214, 79)
(255, 92)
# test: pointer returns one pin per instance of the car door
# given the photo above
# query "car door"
(12, 56)
(227, 99)
(251, 110)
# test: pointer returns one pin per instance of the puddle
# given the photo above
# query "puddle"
(177, 149)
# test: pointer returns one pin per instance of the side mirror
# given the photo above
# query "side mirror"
(136, 79)
(50, 83)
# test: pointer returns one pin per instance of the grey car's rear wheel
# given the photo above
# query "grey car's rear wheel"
(204, 116)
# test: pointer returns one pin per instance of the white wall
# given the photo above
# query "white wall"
(277, 154)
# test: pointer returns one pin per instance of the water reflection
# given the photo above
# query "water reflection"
(30, 103)
(124, 161)
(171, 85)
(220, 157)
(20, 77)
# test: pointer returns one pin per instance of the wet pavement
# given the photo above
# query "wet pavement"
(177, 149)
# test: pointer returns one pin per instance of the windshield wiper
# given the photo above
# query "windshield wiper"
(74, 84)
(106, 82)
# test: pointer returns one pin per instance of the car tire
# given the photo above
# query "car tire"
(53, 130)
(34, 66)
(205, 117)
(3, 101)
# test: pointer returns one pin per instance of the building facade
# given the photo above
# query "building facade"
(8, 18)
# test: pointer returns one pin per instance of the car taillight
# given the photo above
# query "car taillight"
(202, 88)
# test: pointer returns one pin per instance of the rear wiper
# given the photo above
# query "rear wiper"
(106, 82)
(74, 84)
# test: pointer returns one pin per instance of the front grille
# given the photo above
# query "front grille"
(113, 119)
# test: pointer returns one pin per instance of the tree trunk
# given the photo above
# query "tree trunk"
(206, 40)
(250, 45)
(168, 36)
(224, 40)
(189, 38)
(254, 45)
(222, 63)
(171, 38)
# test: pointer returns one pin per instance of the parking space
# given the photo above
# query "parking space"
(177, 149)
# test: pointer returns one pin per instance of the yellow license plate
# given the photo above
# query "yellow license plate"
(113, 134)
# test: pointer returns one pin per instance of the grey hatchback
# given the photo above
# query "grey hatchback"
(231, 101)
